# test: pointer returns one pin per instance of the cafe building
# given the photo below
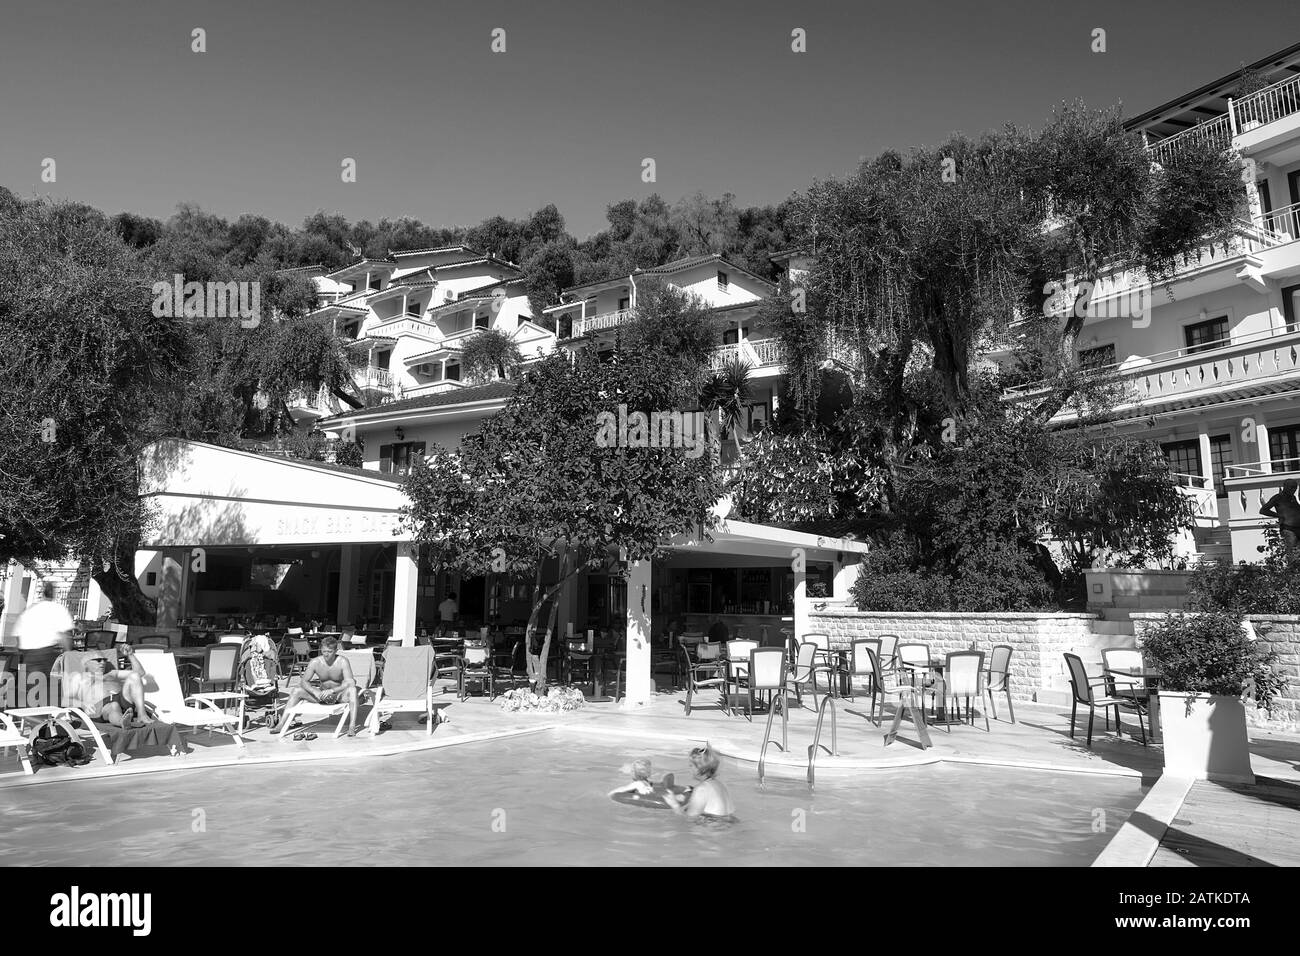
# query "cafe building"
(247, 537)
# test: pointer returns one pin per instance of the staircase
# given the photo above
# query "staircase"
(1213, 544)
(1115, 630)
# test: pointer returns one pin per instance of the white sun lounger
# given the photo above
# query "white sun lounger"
(406, 686)
(11, 735)
(162, 692)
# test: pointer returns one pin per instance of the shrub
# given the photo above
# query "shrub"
(1210, 653)
(1270, 587)
(310, 447)
(349, 453)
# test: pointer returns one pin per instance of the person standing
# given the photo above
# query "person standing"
(1286, 509)
(448, 610)
(46, 623)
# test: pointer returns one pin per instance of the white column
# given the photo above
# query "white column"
(406, 579)
(1261, 446)
(96, 604)
(800, 604)
(845, 575)
(1207, 466)
(14, 603)
(349, 558)
(171, 587)
(640, 684)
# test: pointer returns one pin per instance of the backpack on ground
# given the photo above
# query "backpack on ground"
(53, 746)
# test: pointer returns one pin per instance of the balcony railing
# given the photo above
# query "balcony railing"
(1217, 132)
(432, 388)
(1269, 104)
(374, 378)
(598, 323)
(1225, 365)
(1204, 498)
(1284, 223)
(760, 353)
(405, 325)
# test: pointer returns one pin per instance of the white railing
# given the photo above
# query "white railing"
(1269, 104)
(1264, 355)
(598, 323)
(380, 378)
(432, 388)
(405, 325)
(1217, 132)
(760, 353)
(1250, 485)
(1204, 498)
(1283, 223)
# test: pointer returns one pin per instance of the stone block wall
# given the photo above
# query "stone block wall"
(1039, 640)
(1282, 633)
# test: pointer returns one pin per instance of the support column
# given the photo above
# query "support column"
(171, 587)
(14, 603)
(640, 682)
(1261, 446)
(845, 575)
(1207, 466)
(800, 605)
(406, 580)
(349, 559)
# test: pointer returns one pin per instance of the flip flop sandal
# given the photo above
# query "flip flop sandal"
(310, 737)
(385, 725)
(299, 736)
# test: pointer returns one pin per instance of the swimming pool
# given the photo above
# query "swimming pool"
(540, 799)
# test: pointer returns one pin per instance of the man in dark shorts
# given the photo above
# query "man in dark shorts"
(1284, 507)
(335, 684)
(122, 703)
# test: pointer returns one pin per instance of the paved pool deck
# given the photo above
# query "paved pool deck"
(1180, 823)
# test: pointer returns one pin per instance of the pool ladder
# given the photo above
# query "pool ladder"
(833, 749)
(767, 733)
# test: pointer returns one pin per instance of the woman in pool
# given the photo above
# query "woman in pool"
(709, 798)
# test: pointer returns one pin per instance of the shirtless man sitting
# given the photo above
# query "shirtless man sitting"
(336, 684)
(122, 700)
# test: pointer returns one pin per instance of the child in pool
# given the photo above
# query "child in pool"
(709, 798)
(641, 783)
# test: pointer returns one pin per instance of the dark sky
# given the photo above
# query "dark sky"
(447, 131)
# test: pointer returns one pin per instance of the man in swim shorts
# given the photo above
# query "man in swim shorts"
(335, 684)
(122, 702)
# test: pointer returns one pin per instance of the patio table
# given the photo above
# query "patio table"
(1151, 684)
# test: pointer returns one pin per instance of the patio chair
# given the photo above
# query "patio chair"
(364, 670)
(963, 677)
(220, 668)
(860, 664)
(767, 674)
(805, 671)
(888, 651)
(162, 694)
(476, 665)
(738, 653)
(705, 675)
(889, 683)
(579, 661)
(11, 735)
(1117, 685)
(300, 652)
(154, 640)
(1083, 692)
(998, 677)
(823, 656)
(407, 686)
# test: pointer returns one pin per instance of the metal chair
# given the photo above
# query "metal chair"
(155, 640)
(860, 664)
(301, 655)
(767, 674)
(997, 680)
(823, 656)
(705, 675)
(220, 669)
(963, 677)
(476, 665)
(888, 650)
(1125, 658)
(738, 654)
(805, 671)
(890, 684)
(1082, 692)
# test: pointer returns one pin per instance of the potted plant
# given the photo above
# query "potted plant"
(1249, 83)
(1207, 664)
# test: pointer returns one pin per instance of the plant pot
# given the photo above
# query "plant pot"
(1205, 737)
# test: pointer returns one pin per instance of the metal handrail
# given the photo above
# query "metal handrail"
(833, 750)
(767, 734)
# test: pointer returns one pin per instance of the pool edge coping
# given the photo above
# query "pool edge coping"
(1134, 847)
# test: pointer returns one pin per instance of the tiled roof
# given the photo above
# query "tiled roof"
(472, 293)
(677, 265)
(460, 396)
(362, 262)
(420, 252)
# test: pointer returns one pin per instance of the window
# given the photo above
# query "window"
(350, 330)
(482, 321)
(396, 459)
(373, 281)
(1220, 459)
(1185, 458)
(1284, 447)
(722, 282)
(383, 358)
(1291, 307)
(413, 309)
(1205, 335)
(151, 579)
(624, 303)
(731, 337)
(1098, 357)
(1265, 198)
(452, 372)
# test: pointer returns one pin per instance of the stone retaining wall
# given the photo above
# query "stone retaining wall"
(1283, 635)
(1039, 640)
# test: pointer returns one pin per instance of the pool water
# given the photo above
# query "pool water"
(540, 799)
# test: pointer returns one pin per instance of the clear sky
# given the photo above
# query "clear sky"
(445, 130)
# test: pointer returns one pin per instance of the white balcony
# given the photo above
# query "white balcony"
(1251, 366)
(599, 323)
(1266, 125)
(377, 382)
(1217, 132)
(401, 325)
(757, 354)
(1203, 496)
(310, 406)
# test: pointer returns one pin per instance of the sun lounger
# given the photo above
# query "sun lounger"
(162, 693)
(11, 735)
(407, 686)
